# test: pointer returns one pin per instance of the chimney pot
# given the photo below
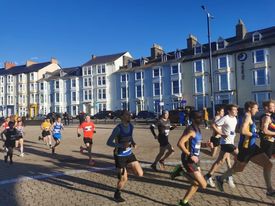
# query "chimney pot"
(8, 65)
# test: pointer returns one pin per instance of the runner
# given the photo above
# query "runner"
(122, 140)
(56, 130)
(19, 139)
(249, 151)
(164, 128)
(216, 137)
(11, 134)
(190, 144)
(267, 130)
(88, 129)
(4, 126)
(228, 125)
(46, 132)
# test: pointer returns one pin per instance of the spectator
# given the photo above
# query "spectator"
(205, 117)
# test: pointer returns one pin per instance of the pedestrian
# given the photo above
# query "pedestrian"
(181, 117)
(56, 130)
(225, 127)
(249, 151)
(19, 139)
(190, 143)
(46, 132)
(164, 126)
(123, 142)
(11, 134)
(88, 129)
(205, 117)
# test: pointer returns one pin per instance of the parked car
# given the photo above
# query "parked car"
(104, 115)
(146, 115)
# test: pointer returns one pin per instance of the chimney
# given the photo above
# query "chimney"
(8, 65)
(240, 30)
(191, 41)
(54, 60)
(30, 62)
(93, 56)
(156, 51)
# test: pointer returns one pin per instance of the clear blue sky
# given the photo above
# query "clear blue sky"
(73, 30)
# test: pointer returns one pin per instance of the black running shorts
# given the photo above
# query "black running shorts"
(245, 154)
(123, 161)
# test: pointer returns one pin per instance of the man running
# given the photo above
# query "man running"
(249, 151)
(11, 134)
(46, 132)
(164, 128)
(56, 130)
(190, 144)
(19, 139)
(216, 137)
(88, 129)
(228, 125)
(267, 129)
(122, 140)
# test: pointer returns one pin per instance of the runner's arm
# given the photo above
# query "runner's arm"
(245, 126)
(152, 128)
(111, 141)
(264, 126)
(184, 138)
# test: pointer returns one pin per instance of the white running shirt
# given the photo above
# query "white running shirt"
(228, 125)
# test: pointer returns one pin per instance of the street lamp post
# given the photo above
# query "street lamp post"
(211, 78)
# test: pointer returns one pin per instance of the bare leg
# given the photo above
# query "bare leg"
(168, 153)
(136, 167)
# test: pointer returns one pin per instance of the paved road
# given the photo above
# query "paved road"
(40, 178)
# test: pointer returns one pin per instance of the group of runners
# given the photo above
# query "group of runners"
(190, 143)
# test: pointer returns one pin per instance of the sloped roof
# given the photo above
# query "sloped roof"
(104, 59)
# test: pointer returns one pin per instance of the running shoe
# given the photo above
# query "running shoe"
(270, 194)
(231, 182)
(154, 167)
(22, 154)
(219, 183)
(118, 197)
(39, 138)
(210, 181)
(181, 203)
(176, 172)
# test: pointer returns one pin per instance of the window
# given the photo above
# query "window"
(261, 77)
(124, 106)
(41, 86)
(123, 77)
(74, 96)
(223, 99)
(175, 87)
(32, 76)
(256, 37)
(156, 106)
(57, 98)
(222, 62)
(156, 89)
(101, 93)
(98, 80)
(198, 49)
(57, 84)
(139, 75)
(103, 70)
(103, 80)
(2, 79)
(223, 82)
(42, 98)
(73, 83)
(157, 72)
(259, 56)
(199, 85)
(138, 91)
(89, 70)
(123, 92)
(220, 44)
(87, 82)
(163, 58)
(199, 102)
(178, 54)
(261, 96)
(175, 69)
(10, 79)
(198, 66)
(85, 71)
